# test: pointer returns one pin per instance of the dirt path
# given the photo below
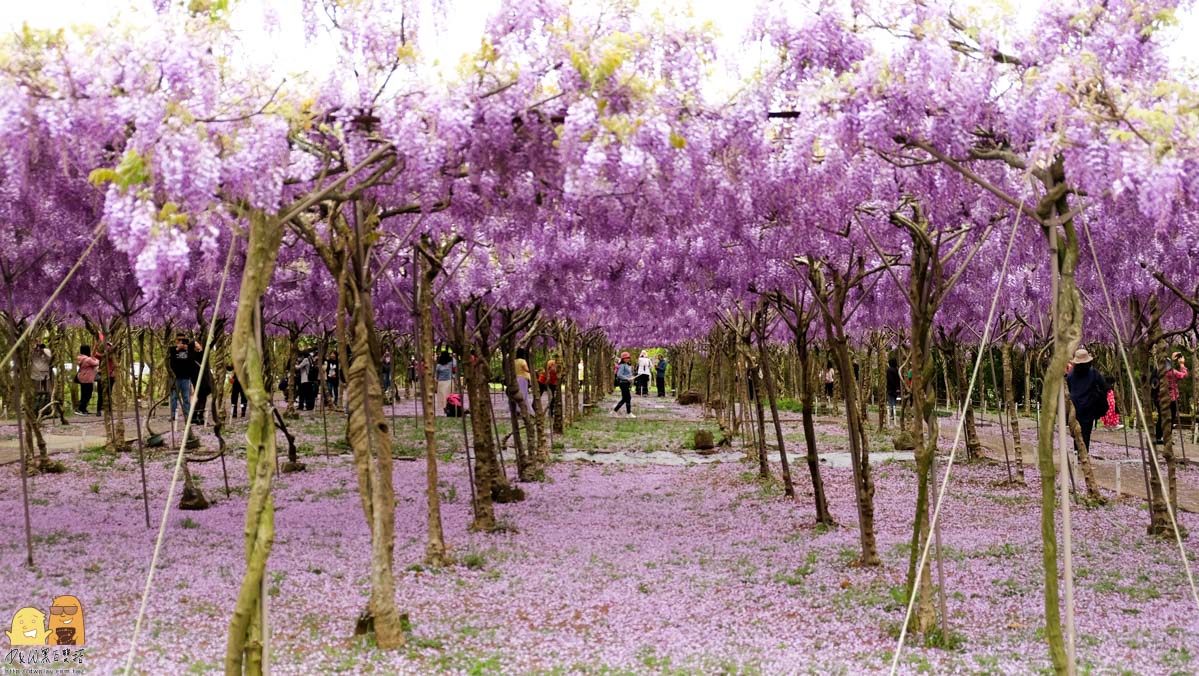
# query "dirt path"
(1110, 458)
(10, 451)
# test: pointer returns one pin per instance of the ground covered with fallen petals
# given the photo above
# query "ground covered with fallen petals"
(608, 569)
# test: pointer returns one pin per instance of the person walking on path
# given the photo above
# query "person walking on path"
(523, 377)
(86, 376)
(893, 385)
(444, 371)
(661, 373)
(1088, 393)
(644, 366)
(830, 377)
(624, 380)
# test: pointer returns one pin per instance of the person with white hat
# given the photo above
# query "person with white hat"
(644, 368)
(1088, 393)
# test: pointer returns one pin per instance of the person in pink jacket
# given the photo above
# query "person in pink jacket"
(86, 376)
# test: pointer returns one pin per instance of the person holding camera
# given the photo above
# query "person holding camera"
(183, 359)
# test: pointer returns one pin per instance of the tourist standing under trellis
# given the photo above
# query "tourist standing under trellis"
(893, 385)
(105, 376)
(523, 376)
(305, 370)
(1088, 393)
(86, 376)
(444, 372)
(624, 380)
(202, 377)
(180, 361)
(235, 391)
(548, 379)
(385, 371)
(333, 378)
(660, 369)
(644, 366)
(39, 372)
(1176, 372)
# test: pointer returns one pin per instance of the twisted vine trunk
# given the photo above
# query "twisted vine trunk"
(114, 401)
(807, 398)
(487, 471)
(1027, 382)
(244, 647)
(881, 382)
(1161, 488)
(368, 434)
(435, 550)
(768, 377)
(524, 470)
(1067, 324)
(1084, 454)
(924, 418)
(973, 445)
(760, 445)
(1009, 397)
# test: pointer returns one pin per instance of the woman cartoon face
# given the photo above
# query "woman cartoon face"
(28, 628)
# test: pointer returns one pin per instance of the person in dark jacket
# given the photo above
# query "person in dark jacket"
(203, 380)
(182, 359)
(893, 385)
(235, 390)
(1088, 393)
(660, 368)
(333, 378)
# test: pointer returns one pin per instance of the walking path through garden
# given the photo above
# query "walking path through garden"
(605, 568)
(1109, 456)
